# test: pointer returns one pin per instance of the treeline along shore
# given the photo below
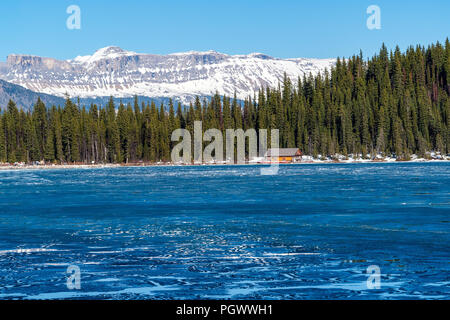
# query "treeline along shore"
(394, 104)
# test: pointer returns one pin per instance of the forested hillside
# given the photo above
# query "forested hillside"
(394, 103)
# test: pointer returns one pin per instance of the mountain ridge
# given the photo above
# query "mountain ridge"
(24, 98)
(184, 75)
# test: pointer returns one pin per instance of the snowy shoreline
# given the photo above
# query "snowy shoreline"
(6, 167)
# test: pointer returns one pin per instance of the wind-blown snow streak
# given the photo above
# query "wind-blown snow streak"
(113, 71)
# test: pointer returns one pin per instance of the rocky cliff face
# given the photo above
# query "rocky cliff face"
(114, 71)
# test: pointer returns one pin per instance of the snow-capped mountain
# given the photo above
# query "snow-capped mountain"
(114, 71)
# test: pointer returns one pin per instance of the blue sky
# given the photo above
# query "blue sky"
(283, 28)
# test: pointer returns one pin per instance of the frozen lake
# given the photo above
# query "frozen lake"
(227, 232)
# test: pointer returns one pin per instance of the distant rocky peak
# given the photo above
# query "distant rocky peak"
(110, 52)
(20, 62)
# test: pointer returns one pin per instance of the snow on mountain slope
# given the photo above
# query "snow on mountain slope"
(114, 71)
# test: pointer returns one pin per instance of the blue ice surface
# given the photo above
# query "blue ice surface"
(227, 232)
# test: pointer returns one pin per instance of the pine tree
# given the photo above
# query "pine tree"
(112, 134)
(56, 116)
(3, 154)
